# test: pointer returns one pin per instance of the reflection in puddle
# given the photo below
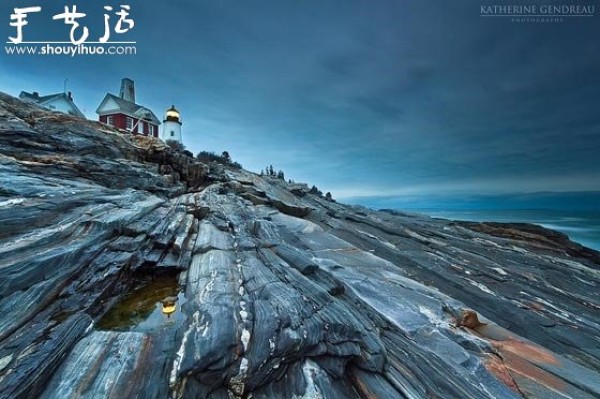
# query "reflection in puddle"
(155, 304)
(169, 305)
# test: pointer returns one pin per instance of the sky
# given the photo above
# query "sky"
(402, 103)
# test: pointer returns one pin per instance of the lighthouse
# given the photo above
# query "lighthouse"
(172, 125)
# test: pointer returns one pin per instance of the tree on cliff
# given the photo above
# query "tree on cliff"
(315, 190)
(224, 158)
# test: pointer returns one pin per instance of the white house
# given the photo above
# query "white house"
(61, 102)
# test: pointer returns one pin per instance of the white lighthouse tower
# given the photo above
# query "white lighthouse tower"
(172, 125)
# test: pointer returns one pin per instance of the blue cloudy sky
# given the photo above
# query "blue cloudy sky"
(379, 102)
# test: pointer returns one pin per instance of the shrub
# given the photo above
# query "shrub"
(224, 158)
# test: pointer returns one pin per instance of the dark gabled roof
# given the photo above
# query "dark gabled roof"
(125, 105)
(29, 96)
(130, 108)
(43, 100)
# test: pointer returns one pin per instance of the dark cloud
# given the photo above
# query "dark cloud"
(361, 97)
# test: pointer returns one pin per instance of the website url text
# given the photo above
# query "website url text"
(69, 50)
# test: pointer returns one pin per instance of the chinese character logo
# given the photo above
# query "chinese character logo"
(79, 33)
(20, 20)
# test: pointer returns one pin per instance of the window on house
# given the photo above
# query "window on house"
(172, 133)
(129, 123)
(110, 120)
(151, 130)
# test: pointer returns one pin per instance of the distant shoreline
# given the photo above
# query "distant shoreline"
(582, 227)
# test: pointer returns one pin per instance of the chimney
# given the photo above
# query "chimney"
(127, 90)
(36, 94)
(70, 95)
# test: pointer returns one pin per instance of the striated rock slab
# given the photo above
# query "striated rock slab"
(103, 364)
(283, 293)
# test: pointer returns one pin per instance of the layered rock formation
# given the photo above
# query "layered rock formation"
(285, 294)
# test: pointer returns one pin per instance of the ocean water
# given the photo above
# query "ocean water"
(581, 226)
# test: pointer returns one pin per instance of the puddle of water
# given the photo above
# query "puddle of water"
(147, 308)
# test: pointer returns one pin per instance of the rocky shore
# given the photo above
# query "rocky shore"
(283, 294)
